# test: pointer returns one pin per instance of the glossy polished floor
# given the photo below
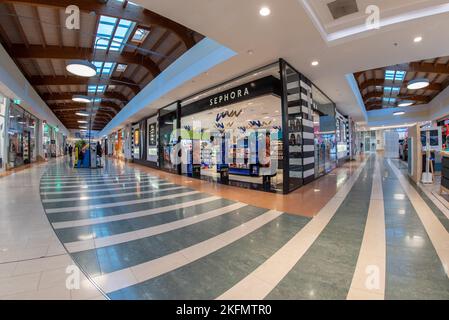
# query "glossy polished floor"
(138, 233)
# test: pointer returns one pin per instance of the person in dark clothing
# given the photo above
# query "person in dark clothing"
(99, 150)
(70, 150)
(99, 154)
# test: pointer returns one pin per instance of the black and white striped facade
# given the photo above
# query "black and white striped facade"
(300, 109)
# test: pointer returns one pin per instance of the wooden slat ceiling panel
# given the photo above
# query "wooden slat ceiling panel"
(166, 45)
(88, 28)
(129, 70)
(139, 74)
(49, 25)
(28, 66)
(43, 67)
(155, 34)
(58, 66)
(371, 82)
(42, 24)
(28, 21)
(175, 55)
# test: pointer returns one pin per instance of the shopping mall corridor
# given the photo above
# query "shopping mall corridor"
(137, 235)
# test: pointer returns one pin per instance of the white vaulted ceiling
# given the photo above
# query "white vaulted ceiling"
(290, 33)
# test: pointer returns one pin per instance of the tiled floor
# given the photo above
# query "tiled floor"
(139, 233)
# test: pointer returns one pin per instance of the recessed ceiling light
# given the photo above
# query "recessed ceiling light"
(82, 114)
(81, 68)
(417, 39)
(315, 63)
(83, 127)
(399, 113)
(82, 121)
(417, 84)
(81, 98)
(405, 104)
(264, 11)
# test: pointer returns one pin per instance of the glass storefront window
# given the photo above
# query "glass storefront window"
(245, 138)
(22, 138)
(325, 131)
(168, 138)
(2, 131)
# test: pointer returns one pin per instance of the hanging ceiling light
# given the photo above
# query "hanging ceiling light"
(82, 121)
(82, 114)
(81, 68)
(417, 84)
(405, 103)
(81, 98)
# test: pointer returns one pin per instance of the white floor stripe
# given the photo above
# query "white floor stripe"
(119, 187)
(435, 230)
(97, 177)
(115, 195)
(258, 284)
(90, 183)
(142, 272)
(437, 199)
(43, 182)
(87, 186)
(85, 174)
(131, 215)
(368, 282)
(120, 203)
(148, 232)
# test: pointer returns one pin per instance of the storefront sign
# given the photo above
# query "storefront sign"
(251, 90)
(152, 134)
(229, 96)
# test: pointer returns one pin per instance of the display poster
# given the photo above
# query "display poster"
(152, 134)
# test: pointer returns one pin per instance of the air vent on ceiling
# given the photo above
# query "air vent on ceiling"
(341, 8)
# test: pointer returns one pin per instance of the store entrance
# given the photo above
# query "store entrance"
(168, 138)
(26, 141)
(240, 144)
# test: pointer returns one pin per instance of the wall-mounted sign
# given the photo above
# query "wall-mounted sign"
(256, 88)
(136, 137)
(152, 134)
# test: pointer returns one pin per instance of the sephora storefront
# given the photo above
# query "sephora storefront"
(259, 131)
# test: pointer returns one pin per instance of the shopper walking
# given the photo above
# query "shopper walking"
(70, 151)
(99, 154)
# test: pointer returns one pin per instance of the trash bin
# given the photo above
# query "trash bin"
(196, 171)
(224, 174)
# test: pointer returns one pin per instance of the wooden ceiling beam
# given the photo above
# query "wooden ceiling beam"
(79, 106)
(380, 95)
(115, 9)
(69, 95)
(170, 52)
(73, 80)
(67, 53)
(19, 27)
(419, 66)
(381, 83)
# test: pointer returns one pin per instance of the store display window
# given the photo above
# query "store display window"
(3, 102)
(169, 138)
(233, 134)
(259, 131)
(325, 132)
(152, 140)
(22, 138)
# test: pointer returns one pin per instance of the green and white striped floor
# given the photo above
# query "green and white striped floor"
(140, 237)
